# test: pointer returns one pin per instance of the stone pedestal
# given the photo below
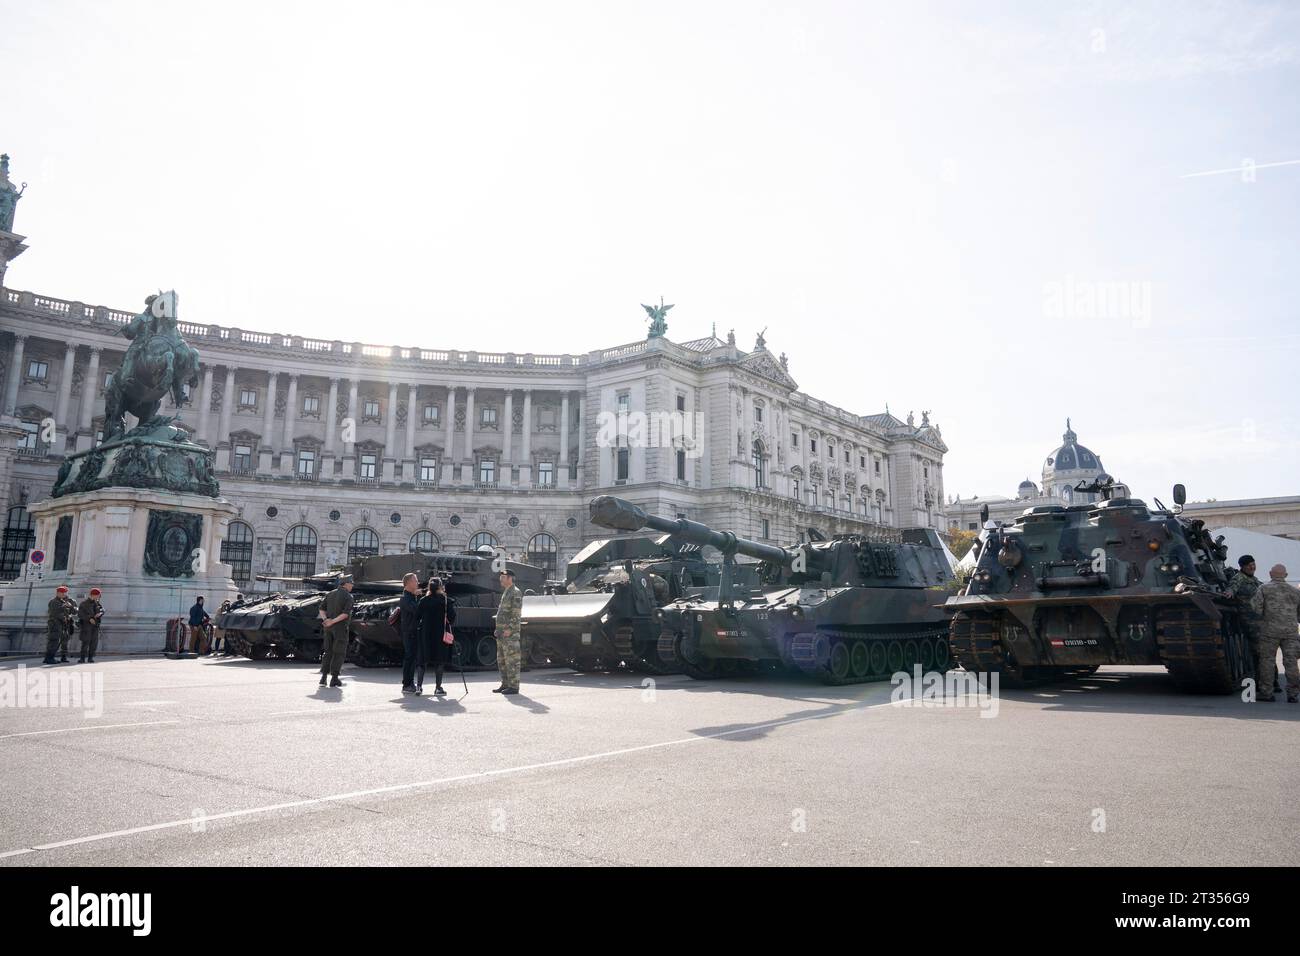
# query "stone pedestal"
(150, 551)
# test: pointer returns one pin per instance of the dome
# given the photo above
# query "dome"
(1071, 456)
(1027, 489)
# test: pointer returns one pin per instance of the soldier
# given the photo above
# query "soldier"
(1278, 629)
(89, 615)
(1245, 588)
(507, 634)
(60, 613)
(335, 614)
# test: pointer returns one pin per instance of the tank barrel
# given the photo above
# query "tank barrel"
(611, 512)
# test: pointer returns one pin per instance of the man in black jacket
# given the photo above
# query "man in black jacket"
(408, 612)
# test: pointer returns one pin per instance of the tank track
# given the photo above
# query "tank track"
(850, 657)
(1202, 655)
(976, 641)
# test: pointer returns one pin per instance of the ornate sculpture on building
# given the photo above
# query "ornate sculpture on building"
(9, 196)
(658, 320)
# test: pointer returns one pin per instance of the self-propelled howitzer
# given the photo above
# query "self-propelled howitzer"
(849, 609)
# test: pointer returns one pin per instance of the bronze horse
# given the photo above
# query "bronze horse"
(158, 362)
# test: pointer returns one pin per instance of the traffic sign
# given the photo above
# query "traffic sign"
(37, 556)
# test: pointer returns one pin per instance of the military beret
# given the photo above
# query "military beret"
(1245, 559)
(61, 589)
(94, 591)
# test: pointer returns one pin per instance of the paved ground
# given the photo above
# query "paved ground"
(213, 762)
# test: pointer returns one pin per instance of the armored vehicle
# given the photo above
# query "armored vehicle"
(1063, 590)
(283, 624)
(845, 610)
(603, 615)
(471, 579)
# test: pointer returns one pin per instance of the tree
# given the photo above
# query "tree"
(959, 542)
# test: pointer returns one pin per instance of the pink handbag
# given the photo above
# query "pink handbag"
(447, 636)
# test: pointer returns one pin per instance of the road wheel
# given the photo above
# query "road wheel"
(485, 651)
(840, 664)
(942, 659)
(911, 653)
(894, 655)
(879, 659)
(927, 654)
(860, 657)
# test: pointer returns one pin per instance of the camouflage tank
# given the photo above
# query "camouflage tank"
(471, 579)
(281, 625)
(845, 610)
(1063, 590)
(603, 615)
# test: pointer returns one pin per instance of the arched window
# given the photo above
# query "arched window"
(760, 465)
(542, 552)
(363, 543)
(300, 552)
(19, 538)
(483, 539)
(424, 540)
(237, 551)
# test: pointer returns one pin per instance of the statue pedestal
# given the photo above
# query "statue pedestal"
(150, 551)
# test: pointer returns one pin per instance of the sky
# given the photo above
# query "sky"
(984, 210)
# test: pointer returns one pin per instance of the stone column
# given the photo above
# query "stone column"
(228, 401)
(61, 422)
(89, 393)
(409, 471)
(15, 374)
(354, 413)
(509, 429)
(562, 466)
(526, 443)
(448, 456)
(468, 454)
(331, 426)
(287, 463)
(266, 448)
(390, 414)
(582, 436)
(205, 406)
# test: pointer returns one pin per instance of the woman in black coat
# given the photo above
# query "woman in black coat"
(437, 614)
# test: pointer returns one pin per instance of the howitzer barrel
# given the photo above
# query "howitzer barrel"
(611, 512)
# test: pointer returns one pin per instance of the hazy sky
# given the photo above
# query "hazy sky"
(980, 209)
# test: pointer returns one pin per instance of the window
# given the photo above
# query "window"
(862, 461)
(19, 538)
(760, 470)
(431, 414)
(424, 541)
(487, 415)
(846, 456)
(242, 459)
(367, 466)
(30, 438)
(812, 445)
(428, 469)
(622, 463)
(248, 398)
(925, 471)
(681, 402)
(624, 402)
(758, 413)
(487, 471)
(794, 439)
(542, 552)
(370, 408)
(812, 496)
(237, 551)
(767, 528)
(99, 437)
(311, 405)
(848, 503)
(306, 462)
(38, 371)
(484, 539)
(972, 526)
(681, 465)
(877, 463)
(546, 473)
(363, 543)
(795, 489)
(300, 552)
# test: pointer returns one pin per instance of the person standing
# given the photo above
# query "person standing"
(509, 648)
(1278, 629)
(408, 610)
(337, 611)
(89, 615)
(437, 615)
(59, 615)
(1244, 586)
(198, 624)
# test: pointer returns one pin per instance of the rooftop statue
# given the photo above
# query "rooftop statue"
(658, 322)
(158, 362)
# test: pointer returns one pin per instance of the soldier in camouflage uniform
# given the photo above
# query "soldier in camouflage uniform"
(509, 646)
(61, 612)
(1278, 629)
(1244, 586)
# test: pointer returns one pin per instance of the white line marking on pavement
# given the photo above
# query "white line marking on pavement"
(69, 730)
(397, 787)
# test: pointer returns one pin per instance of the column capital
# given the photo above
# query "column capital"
(95, 350)
(293, 378)
(21, 336)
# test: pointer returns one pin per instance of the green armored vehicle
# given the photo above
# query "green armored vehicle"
(471, 579)
(1063, 590)
(281, 625)
(844, 610)
(604, 615)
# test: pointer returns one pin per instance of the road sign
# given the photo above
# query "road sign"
(37, 556)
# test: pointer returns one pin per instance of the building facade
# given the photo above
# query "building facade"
(333, 449)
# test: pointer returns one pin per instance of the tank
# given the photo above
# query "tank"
(283, 624)
(1063, 590)
(471, 578)
(604, 614)
(845, 610)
